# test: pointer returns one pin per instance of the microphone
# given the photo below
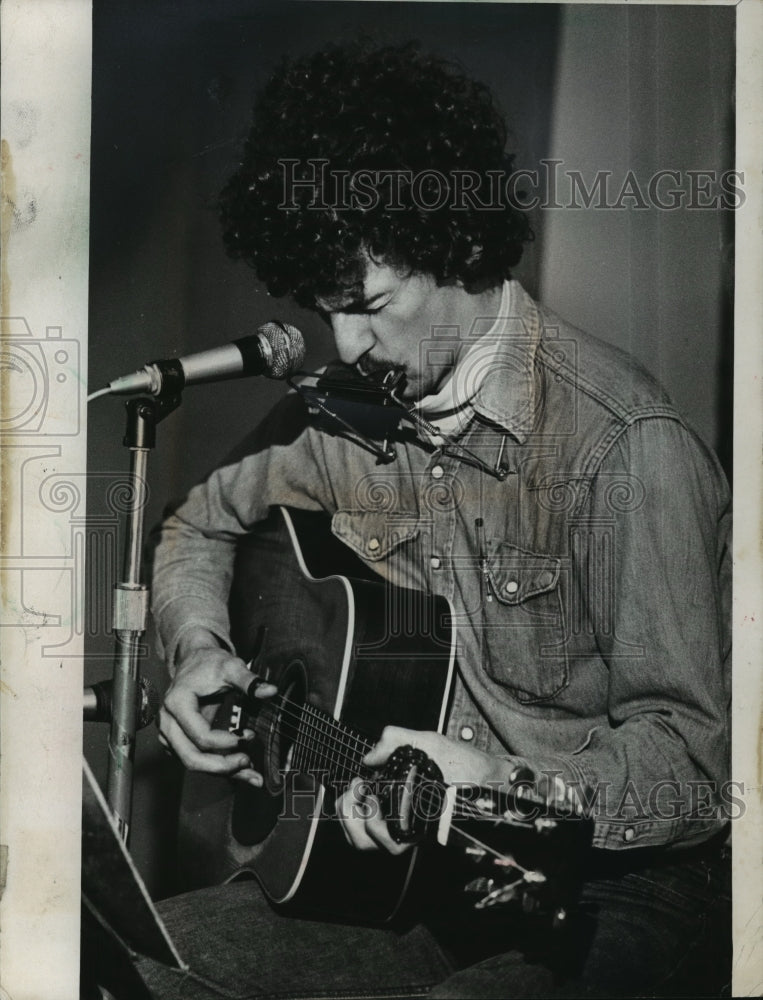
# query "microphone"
(97, 702)
(276, 351)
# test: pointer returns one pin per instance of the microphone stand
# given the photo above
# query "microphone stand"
(131, 598)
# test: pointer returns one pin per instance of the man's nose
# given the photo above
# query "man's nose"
(353, 336)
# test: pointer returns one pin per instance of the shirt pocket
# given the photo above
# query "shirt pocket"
(373, 535)
(525, 628)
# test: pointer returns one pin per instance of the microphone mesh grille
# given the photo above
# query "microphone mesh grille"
(287, 346)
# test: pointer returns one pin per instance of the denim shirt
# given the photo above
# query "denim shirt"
(592, 606)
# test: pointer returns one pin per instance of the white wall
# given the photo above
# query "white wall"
(647, 89)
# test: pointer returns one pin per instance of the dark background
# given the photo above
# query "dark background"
(601, 88)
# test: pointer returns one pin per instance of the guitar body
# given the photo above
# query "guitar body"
(334, 637)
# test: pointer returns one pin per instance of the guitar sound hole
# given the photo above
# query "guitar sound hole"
(282, 725)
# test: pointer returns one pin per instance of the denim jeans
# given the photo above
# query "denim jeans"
(650, 929)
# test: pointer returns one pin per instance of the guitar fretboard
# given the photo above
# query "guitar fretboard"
(321, 745)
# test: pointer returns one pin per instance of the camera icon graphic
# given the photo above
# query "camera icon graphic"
(39, 377)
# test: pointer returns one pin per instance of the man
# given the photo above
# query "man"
(542, 483)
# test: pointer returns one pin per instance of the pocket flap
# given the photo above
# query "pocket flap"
(517, 574)
(373, 534)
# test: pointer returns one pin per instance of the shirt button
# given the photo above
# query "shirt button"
(437, 472)
(545, 578)
(629, 834)
(373, 544)
(512, 587)
(467, 733)
(434, 562)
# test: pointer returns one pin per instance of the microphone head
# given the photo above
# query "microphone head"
(286, 347)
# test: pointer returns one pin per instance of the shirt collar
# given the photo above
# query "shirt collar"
(495, 378)
(508, 393)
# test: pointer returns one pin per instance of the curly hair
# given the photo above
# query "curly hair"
(366, 137)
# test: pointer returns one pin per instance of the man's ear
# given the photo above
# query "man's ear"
(476, 253)
(474, 256)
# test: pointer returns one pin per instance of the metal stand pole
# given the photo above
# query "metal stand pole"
(131, 600)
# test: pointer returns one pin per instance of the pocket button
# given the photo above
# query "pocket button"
(512, 587)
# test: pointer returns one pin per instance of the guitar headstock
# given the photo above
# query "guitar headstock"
(528, 851)
(529, 846)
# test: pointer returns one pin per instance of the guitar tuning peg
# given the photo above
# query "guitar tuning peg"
(534, 876)
(480, 884)
(476, 853)
(544, 823)
(503, 894)
(505, 861)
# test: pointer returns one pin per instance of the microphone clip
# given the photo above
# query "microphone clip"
(144, 413)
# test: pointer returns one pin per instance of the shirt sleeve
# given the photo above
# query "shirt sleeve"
(659, 605)
(279, 463)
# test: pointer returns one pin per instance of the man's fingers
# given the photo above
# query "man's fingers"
(376, 828)
(392, 737)
(182, 706)
(261, 689)
(194, 759)
(236, 674)
(362, 822)
(249, 776)
(352, 810)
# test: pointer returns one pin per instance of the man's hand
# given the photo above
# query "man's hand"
(205, 673)
(360, 811)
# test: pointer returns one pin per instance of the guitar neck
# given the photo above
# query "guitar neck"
(323, 746)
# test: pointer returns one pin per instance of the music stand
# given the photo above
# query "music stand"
(113, 892)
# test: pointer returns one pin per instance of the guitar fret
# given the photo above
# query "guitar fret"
(326, 746)
(298, 757)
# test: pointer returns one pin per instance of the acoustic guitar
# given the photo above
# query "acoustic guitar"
(351, 653)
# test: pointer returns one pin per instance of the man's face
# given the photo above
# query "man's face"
(384, 325)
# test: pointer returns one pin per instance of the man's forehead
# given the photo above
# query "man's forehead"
(377, 280)
(342, 297)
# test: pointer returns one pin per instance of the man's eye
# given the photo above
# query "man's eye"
(375, 309)
(361, 310)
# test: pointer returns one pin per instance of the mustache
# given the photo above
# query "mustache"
(378, 366)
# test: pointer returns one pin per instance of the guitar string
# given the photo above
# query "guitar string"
(430, 794)
(512, 861)
(301, 720)
(463, 809)
(472, 813)
(476, 813)
(352, 761)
